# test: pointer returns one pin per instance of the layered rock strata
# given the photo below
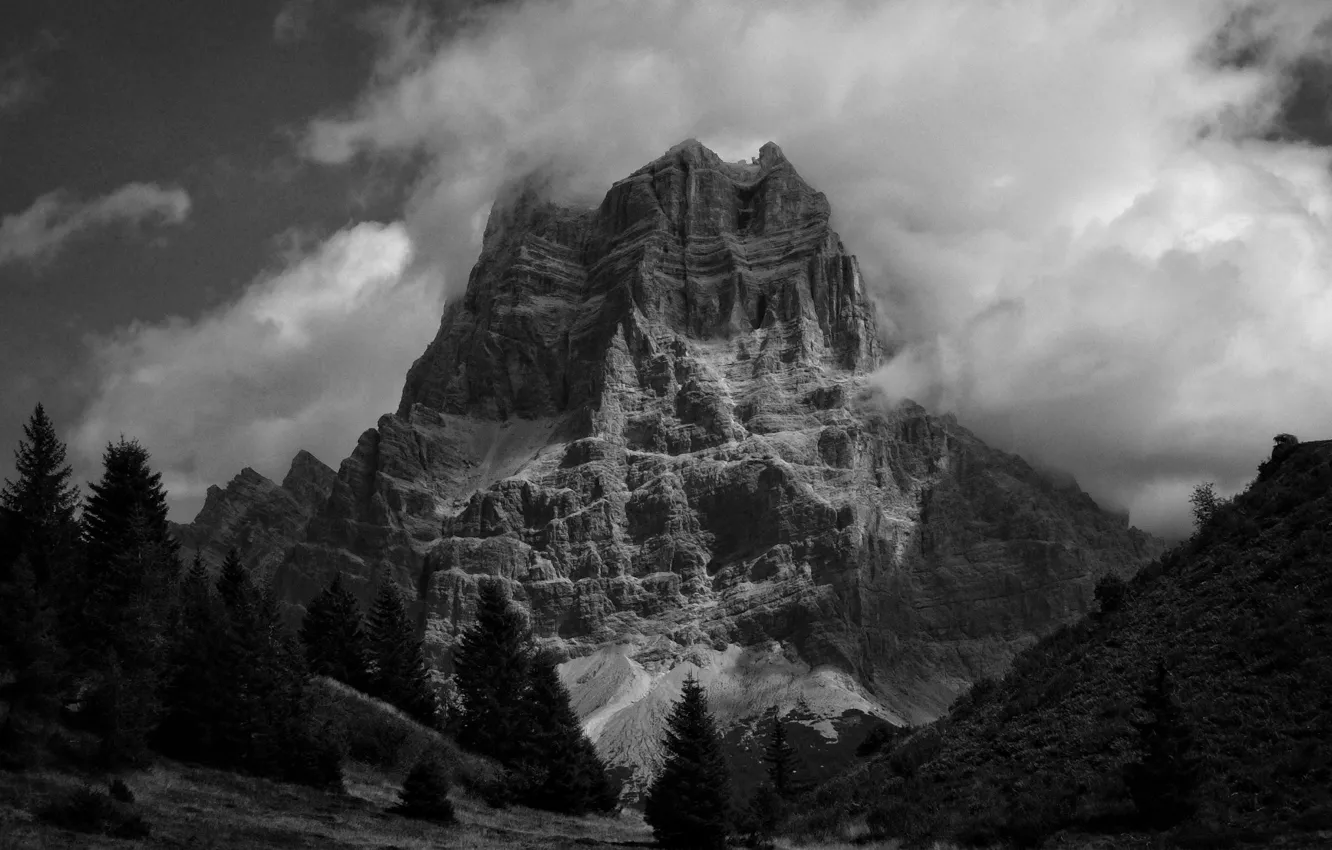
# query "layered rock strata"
(656, 420)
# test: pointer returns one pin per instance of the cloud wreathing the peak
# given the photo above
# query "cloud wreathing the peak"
(1090, 248)
(304, 358)
(53, 220)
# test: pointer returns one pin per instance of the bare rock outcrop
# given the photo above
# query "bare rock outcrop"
(657, 421)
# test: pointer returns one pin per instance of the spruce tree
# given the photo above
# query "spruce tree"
(399, 673)
(34, 659)
(425, 792)
(41, 502)
(196, 690)
(234, 586)
(780, 757)
(559, 767)
(491, 662)
(1162, 781)
(121, 598)
(688, 803)
(334, 639)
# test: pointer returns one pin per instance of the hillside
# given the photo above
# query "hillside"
(656, 420)
(1242, 616)
(192, 806)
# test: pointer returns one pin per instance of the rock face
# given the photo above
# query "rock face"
(259, 518)
(656, 420)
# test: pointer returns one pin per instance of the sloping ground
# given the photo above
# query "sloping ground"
(1242, 614)
(187, 806)
(191, 806)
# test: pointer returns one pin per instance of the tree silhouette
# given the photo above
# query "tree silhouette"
(491, 663)
(560, 768)
(41, 501)
(780, 757)
(425, 792)
(399, 673)
(688, 803)
(334, 639)
(1162, 780)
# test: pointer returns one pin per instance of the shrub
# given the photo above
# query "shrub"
(120, 791)
(425, 792)
(882, 737)
(89, 810)
(1110, 593)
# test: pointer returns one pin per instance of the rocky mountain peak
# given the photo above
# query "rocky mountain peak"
(687, 251)
(654, 420)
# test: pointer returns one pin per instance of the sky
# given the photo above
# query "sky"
(1098, 233)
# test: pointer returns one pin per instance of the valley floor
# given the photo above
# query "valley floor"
(194, 807)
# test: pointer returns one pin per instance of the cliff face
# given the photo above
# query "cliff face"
(655, 420)
(257, 516)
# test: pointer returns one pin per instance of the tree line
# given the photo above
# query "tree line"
(112, 651)
(106, 635)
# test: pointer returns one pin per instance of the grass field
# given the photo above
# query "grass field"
(193, 807)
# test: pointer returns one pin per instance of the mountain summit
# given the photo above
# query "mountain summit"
(656, 421)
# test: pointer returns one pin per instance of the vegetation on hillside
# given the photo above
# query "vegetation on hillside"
(113, 655)
(1198, 700)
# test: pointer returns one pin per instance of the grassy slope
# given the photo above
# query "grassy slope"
(190, 806)
(1243, 616)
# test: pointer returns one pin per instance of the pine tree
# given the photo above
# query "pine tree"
(42, 501)
(425, 792)
(399, 672)
(491, 662)
(780, 757)
(128, 486)
(130, 561)
(233, 583)
(196, 688)
(560, 768)
(1162, 781)
(335, 643)
(31, 653)
(121, 598)
(688, 803)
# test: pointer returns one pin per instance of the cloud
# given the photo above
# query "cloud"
(43, 229)
(1085, 247)
(303, 359)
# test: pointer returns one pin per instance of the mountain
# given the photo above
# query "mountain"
(657, 420)
(260, 518)
(1241, 615)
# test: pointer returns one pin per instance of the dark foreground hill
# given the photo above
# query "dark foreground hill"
(1241, 614)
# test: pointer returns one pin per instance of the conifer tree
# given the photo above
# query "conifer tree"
(196, 688)
(491, 662)
(688, 803)
(130, 561)
(425, 792)
(42, 501)
(1162, 781)
(121, 597)
(335, 643)
(31, 653)
(780, 757)
(560, 768)
(233, 583)
(399, 673)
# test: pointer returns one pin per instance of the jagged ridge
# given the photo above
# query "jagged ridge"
(655, 420)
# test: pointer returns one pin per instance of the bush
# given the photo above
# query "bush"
(882, 737)
(425, 792)
(1110, 593)
(89, 810)
(120, 791)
